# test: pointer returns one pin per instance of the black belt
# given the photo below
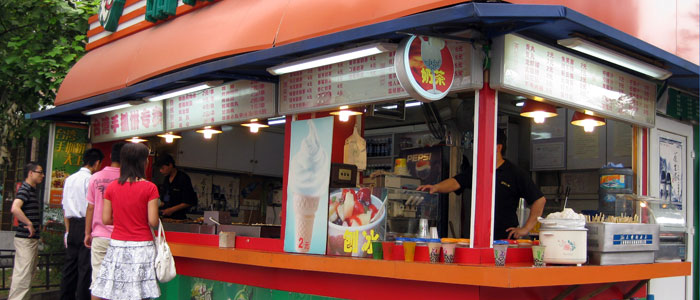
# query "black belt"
(76, 218)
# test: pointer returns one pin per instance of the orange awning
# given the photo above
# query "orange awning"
(225, 28)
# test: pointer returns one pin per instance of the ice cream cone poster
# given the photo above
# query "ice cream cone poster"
(306, 221)
(425, 68)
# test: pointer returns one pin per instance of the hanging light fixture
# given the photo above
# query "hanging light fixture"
(254, 125)
(587, 120)
(344, 113)
(136, 140)
(538, 110)
(169, 136)
(209, 131)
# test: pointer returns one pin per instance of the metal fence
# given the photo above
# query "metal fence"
(48, 262)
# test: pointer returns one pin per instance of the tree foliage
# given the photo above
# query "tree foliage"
(39, 42)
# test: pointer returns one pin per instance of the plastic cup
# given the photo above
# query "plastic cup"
(377, 252)
(448, 251)
(538, 255)
(434, 250)
(388, 250)
(409, 250)
(499, 252)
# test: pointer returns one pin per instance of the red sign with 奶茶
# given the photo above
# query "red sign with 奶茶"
(425, 67)
(420, 61)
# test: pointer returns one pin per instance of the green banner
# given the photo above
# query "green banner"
(186, 287)
(69, 143)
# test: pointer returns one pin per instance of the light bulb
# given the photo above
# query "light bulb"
(588, 128)
(254, 129)
(169, 139)
(344, 115)
(207, 134)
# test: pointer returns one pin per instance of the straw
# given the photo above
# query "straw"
(379, 211)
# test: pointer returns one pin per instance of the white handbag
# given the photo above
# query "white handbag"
(164, 264)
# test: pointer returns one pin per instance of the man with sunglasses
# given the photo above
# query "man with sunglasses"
(26, 208)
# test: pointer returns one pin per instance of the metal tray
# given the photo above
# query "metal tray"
(622, 237)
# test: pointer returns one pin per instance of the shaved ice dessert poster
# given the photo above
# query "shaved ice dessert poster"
(306, 219)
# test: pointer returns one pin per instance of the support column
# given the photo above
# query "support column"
(485, 119)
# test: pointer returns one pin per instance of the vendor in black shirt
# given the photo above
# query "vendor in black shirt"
(512, 183)
(176, 190)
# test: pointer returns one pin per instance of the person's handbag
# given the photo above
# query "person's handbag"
(164, 264)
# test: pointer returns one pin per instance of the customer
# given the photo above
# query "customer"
(97, 234)
(176, 190)
(26, 208)
(131, 205)
(75, 283)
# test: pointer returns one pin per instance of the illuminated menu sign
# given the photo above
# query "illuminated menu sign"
(140, 120)
(366, 80)
(531, 68)
(231, 102)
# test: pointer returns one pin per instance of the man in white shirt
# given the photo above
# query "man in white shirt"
(77, 277)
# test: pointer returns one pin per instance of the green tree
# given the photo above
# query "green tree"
(39, 42)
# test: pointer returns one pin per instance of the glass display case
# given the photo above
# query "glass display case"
(672, 226)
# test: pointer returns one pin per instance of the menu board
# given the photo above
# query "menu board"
(680, 105)
(140, 120)
(531, 68)
(231, 102)
(365, 80)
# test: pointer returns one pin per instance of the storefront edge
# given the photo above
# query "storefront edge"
(342, 276)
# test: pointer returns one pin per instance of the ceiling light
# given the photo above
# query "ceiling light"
(520, 103)
(169, 137)
(185, 90)
(614, 57)
(209, 131)
(107, 108)
(538, 111)
(413, 103)
(588, 122)
(331, 58)
(344, 113)
(275, 121)
(254, 125)
(136, 140)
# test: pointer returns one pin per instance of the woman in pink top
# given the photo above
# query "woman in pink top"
(131, 205)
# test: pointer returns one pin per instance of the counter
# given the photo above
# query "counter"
(345, 277)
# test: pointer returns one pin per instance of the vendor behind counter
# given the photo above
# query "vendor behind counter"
(176, 190)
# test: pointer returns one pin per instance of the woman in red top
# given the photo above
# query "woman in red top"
(131, 204)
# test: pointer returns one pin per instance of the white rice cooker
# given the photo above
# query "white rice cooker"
(564, 241)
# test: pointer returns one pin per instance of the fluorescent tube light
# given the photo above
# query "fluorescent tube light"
(332, 58)
(185, 90)
(413, 103)
(112, 107)
(614, 57)
(275, 121)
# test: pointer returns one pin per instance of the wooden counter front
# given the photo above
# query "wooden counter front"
(510, 276)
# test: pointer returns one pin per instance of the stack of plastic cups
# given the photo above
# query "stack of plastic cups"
(434, 250)
(377, 252)
(500, 249)
(448, 250)
(409, 249)
(388, 250)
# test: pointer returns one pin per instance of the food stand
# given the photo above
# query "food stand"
(310, 94)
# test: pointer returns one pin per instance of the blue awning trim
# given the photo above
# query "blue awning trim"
(546, 22)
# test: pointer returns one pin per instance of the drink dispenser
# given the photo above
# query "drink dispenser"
(614, 183)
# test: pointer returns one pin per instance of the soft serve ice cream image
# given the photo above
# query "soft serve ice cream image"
(309, 175)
